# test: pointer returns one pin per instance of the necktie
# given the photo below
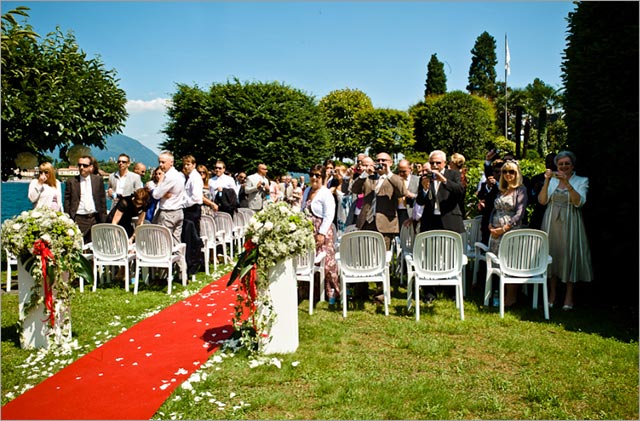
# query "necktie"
(372, 211)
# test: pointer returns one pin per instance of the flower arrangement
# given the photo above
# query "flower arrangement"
(49, 245)
(275, 233)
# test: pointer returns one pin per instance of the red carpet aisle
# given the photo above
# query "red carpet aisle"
(130, 376)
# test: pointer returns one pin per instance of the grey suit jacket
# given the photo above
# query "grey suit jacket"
(255, 196)
(72, 196)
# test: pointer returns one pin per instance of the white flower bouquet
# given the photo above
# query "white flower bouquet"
(48, 243)
(274, 234)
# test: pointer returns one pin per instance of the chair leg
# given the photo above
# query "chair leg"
(461, 298)
(501, 287)
(417, 299)
(95, 277)
(344, 298)
(545, 300)
(487, 287)
(135, 285)
(311, 285)
(535, 296)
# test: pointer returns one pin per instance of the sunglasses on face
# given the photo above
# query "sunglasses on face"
(123, 162)
(83, 165)
(219, 168)
(511, 172)
(435, 162)
(315, 175)
(202, 172)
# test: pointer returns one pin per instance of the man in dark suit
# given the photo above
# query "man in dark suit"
(441, 193)
(85, 199)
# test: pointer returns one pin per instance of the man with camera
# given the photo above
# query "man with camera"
(441, 192)
(381, 189)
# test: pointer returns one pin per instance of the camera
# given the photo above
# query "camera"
(430, 175)
(378, 167)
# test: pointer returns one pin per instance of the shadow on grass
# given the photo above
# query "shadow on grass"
(11, 334)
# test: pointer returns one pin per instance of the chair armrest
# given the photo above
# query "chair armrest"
(180, 249)
(204, 240)
(549, 260)
(481, 246)
(319, 258)
(388, 256)
(492, 258)
(465, 259)
(88, 246)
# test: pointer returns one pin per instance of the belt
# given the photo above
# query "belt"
(170, 210)
(86, 215)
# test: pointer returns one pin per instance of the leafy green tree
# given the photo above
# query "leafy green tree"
(482, 72)
(600, 75)
(341, 109)
(386, 130)
(244, 124)
(436, 79)
(52, 94)
(454, 122)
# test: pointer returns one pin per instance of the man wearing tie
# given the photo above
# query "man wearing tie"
(85, 199)
(382, 189)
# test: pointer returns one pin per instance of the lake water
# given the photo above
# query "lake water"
(15, 200)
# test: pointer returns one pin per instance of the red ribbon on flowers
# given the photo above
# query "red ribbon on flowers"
(41, 248)
(251, 277)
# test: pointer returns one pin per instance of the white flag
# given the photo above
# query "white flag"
(507, 60)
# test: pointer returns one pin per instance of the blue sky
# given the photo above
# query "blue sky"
(380, 48)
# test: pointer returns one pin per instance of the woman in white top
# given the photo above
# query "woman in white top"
(46, 190)
(322, 206)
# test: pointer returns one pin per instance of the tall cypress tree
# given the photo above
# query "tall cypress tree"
(436, 79)
(482, 72)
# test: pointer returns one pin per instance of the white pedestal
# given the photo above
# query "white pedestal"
(284, 298)
(36, 330)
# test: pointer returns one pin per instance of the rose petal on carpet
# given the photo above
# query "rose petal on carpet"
(130, 376)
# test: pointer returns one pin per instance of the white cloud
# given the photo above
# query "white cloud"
(139, 105)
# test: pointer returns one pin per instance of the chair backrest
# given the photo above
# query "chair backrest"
(438, 254)
(224, 222)
(305, 261)
(407, 236)
(208, 227)
(153, 242)
(247, 212)
(109, 241)
(524, 252)
(362, 253)
(473, 233)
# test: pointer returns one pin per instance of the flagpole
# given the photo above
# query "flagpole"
(506, 92)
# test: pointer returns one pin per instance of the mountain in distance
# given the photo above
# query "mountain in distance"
(119, 143)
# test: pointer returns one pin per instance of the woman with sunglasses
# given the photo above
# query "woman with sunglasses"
(565, 193)
(322, 207)
(46, 190)
(509, 209)
(208, 205)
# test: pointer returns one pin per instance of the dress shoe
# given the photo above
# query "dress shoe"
(567, 307)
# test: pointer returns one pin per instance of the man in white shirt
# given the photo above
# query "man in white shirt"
(122, 182)
(192, 192)
(170, 193)
(411, 182)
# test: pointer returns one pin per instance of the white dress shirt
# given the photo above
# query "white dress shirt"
(87, 205)
(172, 183)
(193, 189)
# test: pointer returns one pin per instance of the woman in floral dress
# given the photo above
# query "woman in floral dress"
(207, 200)
(565, 193)
(509, 209)
(322, 207)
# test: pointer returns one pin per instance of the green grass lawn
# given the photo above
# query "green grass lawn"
(579, 365)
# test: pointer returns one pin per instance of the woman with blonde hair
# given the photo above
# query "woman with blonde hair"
(508, 212)
(208, 205)
(46, 190)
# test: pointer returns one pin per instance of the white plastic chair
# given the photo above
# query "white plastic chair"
(363, 258)
(438, 259)
(224, 226)
(523, 258)
(240, 222)
(208, 231)
(11, 261)
(110, 247)
(307, 265)
(155, 249)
